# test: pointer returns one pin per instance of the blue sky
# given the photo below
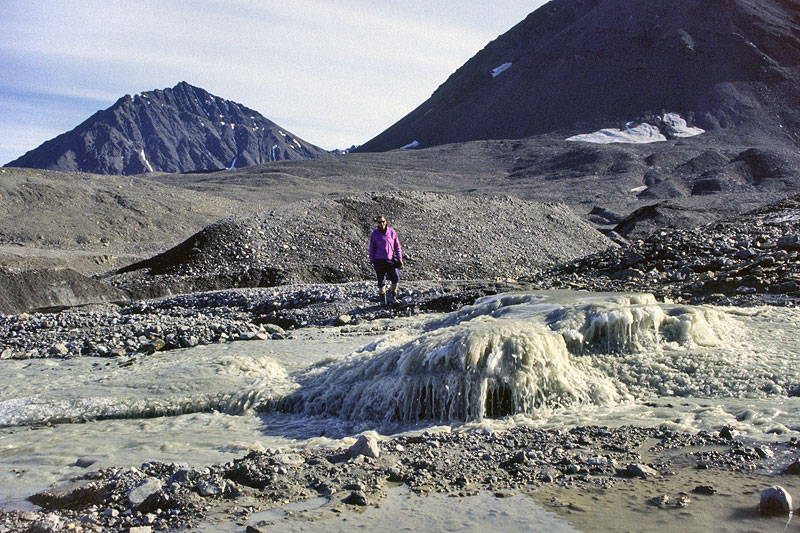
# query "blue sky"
(335, 73)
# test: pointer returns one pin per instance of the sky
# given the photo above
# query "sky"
(333, 72)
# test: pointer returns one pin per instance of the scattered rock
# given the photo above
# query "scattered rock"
(640, 470)
(728, 433)
(357, 497)
(210, 487)
(366, 445)
(705, 489)
(793, 469)
(775, 501)
(85, 462)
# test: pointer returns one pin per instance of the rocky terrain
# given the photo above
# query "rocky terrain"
(178, 129)
(751, 259)
(443, 237)
(184, 321)
(159, 496)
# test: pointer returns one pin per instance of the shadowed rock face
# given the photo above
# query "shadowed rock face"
(580, 65)
(51, 289)
(182, 129)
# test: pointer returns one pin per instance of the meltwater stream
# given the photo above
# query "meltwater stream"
(551, 359)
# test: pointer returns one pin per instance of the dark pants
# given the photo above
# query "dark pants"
(385, 268)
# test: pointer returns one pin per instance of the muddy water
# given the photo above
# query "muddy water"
(555, 359)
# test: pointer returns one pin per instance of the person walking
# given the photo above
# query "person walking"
(386, 257)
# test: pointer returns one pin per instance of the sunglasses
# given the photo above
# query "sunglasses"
(381, 221)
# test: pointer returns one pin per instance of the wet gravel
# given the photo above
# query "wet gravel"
(189, 320)
(159, 496)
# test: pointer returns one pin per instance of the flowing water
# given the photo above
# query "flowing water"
(549, 359)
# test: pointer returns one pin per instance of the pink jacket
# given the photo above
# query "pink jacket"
(384, 245)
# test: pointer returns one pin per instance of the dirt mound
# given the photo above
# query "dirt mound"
(647, 220)
(443, 237)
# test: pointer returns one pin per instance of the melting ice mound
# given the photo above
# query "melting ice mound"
(672, 123)
(505, 355)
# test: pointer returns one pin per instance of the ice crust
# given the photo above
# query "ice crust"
(506, 355)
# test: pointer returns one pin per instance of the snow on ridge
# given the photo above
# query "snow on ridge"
(641, 133)
(678, 126)
(413, 144)
(499, 70)
(147, 164)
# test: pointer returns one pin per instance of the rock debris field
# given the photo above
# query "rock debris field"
(158, 496)
(749, 260)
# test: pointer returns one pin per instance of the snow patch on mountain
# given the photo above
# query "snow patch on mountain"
(673, 124)
(639, 134)
(147, 164)
(499, 70)
(678, 126)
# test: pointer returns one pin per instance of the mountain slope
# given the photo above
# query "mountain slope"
(575, 66)
(181, 129)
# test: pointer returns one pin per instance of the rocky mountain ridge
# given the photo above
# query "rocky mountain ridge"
(182, 129)
(576, 66)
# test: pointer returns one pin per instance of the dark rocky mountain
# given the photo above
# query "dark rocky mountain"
(576, 66)
(182, 129)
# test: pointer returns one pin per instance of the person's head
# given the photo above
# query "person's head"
(380, 221)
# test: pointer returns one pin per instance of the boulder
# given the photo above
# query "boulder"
(775, 501)
(640, 470)
(793, 469)
(146, 488)
(789, 242)
(365, 445)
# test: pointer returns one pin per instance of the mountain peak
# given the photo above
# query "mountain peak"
(577, 66)
(180, 129)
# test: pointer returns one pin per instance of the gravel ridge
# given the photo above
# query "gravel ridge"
(443, 237)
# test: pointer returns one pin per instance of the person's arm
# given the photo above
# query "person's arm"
(372, 248)
(398, 252)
